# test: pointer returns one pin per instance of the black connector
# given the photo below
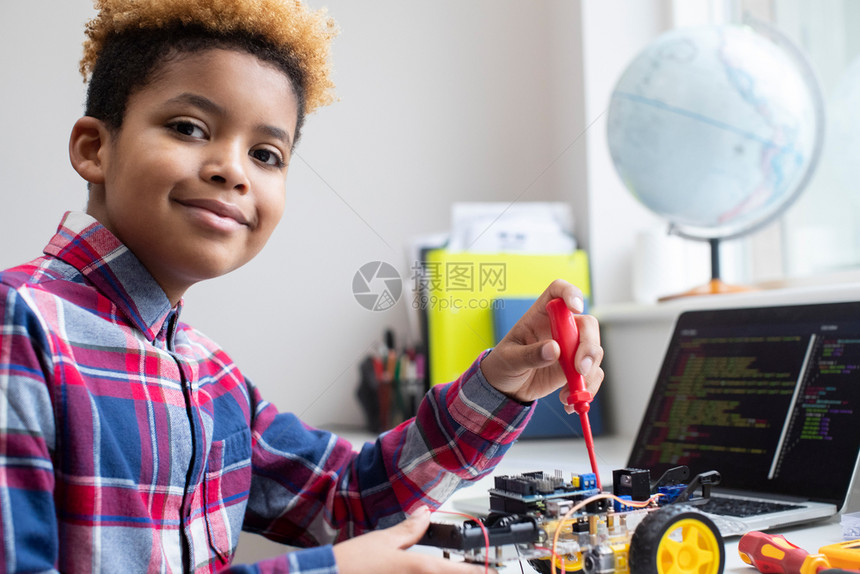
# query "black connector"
(501, 530)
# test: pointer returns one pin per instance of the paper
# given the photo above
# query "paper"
(499, 227)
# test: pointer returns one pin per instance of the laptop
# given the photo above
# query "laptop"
(770, 398)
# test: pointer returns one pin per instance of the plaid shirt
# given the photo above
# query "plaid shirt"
(130, 442)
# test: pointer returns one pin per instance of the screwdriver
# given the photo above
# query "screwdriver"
(566, 334)
(773, 554)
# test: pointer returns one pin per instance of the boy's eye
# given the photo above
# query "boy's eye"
(188, 129)
(267, 157)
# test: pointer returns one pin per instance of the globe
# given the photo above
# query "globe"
(717, 128)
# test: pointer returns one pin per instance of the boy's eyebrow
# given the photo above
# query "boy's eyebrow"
(277, 133)
(208, 105)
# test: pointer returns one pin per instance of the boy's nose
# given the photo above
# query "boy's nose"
(226, 168)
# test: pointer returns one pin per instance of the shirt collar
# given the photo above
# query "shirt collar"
(85, 244)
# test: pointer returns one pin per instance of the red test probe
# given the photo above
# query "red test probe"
(566, 334)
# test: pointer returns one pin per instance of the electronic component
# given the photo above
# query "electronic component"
(569, 524)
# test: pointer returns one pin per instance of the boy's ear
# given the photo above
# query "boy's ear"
(86, 146)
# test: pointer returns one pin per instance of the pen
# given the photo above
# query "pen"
(419, 371)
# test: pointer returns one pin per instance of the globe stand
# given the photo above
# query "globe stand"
(715, 286)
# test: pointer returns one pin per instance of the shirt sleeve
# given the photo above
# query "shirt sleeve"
(459, 435)
(28, 522)
(310, 488)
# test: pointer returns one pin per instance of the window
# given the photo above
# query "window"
(820, 233)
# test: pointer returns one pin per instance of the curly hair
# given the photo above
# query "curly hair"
(129, 39)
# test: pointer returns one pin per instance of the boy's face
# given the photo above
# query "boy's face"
(193, 182)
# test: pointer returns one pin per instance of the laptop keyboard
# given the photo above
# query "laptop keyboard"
(741, 507)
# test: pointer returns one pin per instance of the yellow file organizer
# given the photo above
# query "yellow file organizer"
(462, 289)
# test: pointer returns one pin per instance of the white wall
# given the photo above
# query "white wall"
(613, 33)
(440, 101)
(41, 95)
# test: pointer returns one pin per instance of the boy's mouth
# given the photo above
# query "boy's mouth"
(219, 208)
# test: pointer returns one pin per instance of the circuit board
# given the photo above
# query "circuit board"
(550, 520)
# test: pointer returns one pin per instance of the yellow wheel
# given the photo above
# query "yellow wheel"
(677, 540)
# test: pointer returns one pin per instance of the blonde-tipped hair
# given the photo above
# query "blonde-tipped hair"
(288, 26)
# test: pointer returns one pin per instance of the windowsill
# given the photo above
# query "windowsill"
(837, 287)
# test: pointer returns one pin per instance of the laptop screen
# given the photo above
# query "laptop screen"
(769, 397)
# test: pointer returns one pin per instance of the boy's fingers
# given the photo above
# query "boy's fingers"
(593, 382)
(533, 356)
(407, 533)
(589, 352)
(410, 531)
(589, 330)
(547, 352)
(562, 396)
(561, 289)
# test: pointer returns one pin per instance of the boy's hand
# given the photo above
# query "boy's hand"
(524, 365)
(384, 552)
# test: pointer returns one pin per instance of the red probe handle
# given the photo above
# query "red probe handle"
(566, 334)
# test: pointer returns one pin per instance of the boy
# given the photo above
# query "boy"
(130, 442)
